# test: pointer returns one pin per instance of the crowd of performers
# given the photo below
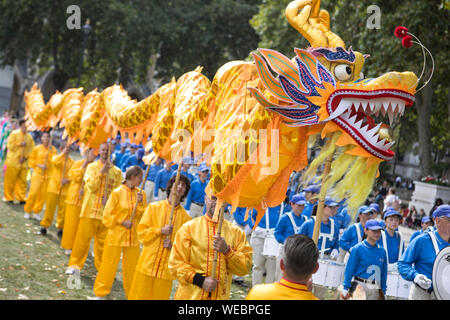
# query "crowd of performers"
(98, 197)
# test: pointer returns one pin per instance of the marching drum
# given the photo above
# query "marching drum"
(396, 286)
(330, 274)
(441, 274)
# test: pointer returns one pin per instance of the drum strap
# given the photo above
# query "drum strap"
(383, 237)
(358, 232)
(289, 214)
(325, 236)
(402, 244)
(434, 241)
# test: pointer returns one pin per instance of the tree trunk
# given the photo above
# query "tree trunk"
(424, 106)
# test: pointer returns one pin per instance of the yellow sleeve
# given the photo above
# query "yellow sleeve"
(179, 259)
(58, 160)
(32, 160)
(147, 230)
(109, 219)
(12, 143)
(76, 173)
(239, 257)
(92, 178)
(29, 146)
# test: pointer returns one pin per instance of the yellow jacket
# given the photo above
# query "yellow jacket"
(56, 174)
(41, 155)
(15, 151)
(75, 175)
(119, 208)
(193, 253)
(154, 258)
(283, 290)
(94, 187)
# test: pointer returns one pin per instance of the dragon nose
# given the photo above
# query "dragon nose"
(405, 80)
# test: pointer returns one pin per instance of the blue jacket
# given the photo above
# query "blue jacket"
(415, 234)
(119, 157)
(308, 229)
(161, 180)
(239, 216)
(308, 209)
(274, 216)
(285, 228)
(350, 238)
(363, 262)
(153, 171)
(342, 218)
(393, 246)
(421, 254)
(196, 193)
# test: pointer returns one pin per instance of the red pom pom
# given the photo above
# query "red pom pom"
(400, 32)
(407, 42)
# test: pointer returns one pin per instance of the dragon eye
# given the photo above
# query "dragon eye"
(343, 72)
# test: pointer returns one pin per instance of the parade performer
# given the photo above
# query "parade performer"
(95, 197)
(416, 264)
(298, 263)
(328, 236)
(311, 193)
(425, 224)
(39, 161)
(195, 201)
(153, 171)
(192, 254)
(288, 225)
(185, 165)
(355, 233)
(392, 240)
(263, 237)
(20, 144)
(74, 200)
(161, 180)
(367, 264)
(57, 190)
(122, 238)
(152, 280)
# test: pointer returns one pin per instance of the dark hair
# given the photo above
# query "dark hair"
(21, 121)
(314, 211)
(300, 255)
(132, 172)
(183, 179)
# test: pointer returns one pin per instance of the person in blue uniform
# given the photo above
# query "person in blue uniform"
(425, 224)
(134, 160)
(151, 177)
(161, 180)
(133, 148)
(355, 233)
(195, 201)
(311, 193)
(242, 217)
(264, 232)
(367, 264)
(342, 218)
(391, 239)
(185, 165)
(118, 155)
(375, 209)
(289, 224)
(416, 264)
(328, 242)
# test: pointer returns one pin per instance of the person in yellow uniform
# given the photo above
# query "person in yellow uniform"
(20, 144)
(57, 190)
(298, 263)
(98, 174)
(152, 280)
(39, 161)
(121, 220)
(192, 257)
(74, 200)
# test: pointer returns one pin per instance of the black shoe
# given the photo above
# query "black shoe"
(240, 283)
(22, 202)
(60, 233)
(43, 231)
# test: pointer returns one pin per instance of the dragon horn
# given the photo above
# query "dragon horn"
(312, 23)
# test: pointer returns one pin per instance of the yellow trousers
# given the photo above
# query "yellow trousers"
(53, 200)
(149, 288)
(15, 185)
(36, 196)
(71, 219)
(88, 228)
(108, 269)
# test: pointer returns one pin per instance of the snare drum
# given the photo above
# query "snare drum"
(396, 286)
(330, 274)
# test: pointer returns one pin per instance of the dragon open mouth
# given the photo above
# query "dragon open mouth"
(354, 111)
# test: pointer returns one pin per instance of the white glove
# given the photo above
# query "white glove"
(344, 292)
(422, 281)
(247, 230)
(392, 267)
(334, 254)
